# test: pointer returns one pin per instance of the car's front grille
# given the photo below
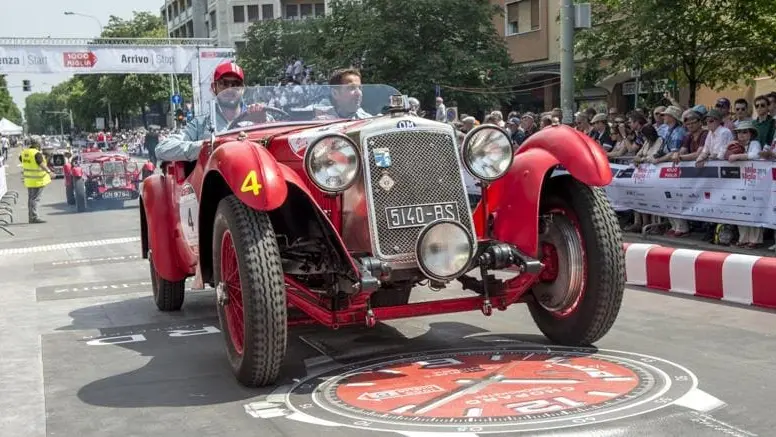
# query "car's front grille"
(58, 160)
(113, 168)
(425, 169)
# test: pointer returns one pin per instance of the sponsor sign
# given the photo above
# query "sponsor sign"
(741, 193)
(96, 59)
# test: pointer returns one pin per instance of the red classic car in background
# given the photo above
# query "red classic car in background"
(102, 175)
(298, 205)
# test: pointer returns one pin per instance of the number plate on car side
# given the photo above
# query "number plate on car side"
(117, 194)
(412, 216)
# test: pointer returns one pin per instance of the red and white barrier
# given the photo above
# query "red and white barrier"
(743, 279)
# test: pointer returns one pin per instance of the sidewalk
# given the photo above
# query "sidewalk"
(693, 241)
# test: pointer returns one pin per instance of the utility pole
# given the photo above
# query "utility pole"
(567, 60)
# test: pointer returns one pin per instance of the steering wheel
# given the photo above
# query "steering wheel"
(258, 117)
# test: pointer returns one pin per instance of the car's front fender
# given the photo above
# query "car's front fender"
(251, 173)
(156, 205)
(513, 201)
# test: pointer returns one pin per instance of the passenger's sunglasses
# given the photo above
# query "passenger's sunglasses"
(761, 105)
(740, 109)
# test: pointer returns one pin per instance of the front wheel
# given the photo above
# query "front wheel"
(250, 290)
(581, 288)
(70, 193)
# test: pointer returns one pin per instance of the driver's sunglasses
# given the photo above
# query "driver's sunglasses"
(226, 83)
(740, 109)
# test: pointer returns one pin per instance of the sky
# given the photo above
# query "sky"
(45, 18)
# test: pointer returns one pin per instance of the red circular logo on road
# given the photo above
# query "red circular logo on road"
(490, 385)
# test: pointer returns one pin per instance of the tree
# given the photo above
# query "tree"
(695, 42)
(410, 44)
(8, 108)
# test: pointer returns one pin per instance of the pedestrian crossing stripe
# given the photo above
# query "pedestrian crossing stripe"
(63, 246)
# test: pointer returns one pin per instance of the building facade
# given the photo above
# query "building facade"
(226, 21)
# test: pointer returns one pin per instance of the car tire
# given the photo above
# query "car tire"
(168, 295)
(70, 194)
(393, 295)
(245, 249)
(79, 188)
(576, 306)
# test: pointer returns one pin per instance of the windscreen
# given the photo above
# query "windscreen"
(238, 107)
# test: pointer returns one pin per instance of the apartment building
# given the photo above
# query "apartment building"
(226, 21)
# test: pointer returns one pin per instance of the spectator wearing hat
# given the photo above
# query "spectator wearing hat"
(657, 117)
(700, 109)
(515, 132)
(499, 117)
(652, 144)
(672, 133)
(763, 121)
(723, 106)
(621, 137)
(528, 123)
(601, 132)
(746, 147)
(582, 123)
(717, 140)
(468, 123)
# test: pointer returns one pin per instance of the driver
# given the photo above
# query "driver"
(346, 97)
(228, 82)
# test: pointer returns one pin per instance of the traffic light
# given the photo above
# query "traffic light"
(26, 85)
(180, 116)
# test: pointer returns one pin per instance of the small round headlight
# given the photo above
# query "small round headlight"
(95, 169)
(487, 152)
(444, 250)
(332, 162)
(131, 166)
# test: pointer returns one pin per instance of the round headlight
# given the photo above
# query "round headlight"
(444, 250)
(95, 169)
(487, 152)
(131, 166)
(332, 162)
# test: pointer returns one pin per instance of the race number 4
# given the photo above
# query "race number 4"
(251, 184)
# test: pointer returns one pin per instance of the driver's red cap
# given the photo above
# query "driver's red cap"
(228, 68)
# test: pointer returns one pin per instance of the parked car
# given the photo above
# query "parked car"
(298, 204)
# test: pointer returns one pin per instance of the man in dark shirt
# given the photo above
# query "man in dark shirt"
(150, 143)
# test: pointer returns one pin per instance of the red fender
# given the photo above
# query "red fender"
(514, 199)
(159, 220)
(238, 161)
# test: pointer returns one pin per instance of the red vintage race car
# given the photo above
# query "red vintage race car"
(99, 175)
(300, 206)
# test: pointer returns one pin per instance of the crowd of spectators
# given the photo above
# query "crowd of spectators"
(672, 133)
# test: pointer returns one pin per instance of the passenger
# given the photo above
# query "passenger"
(228, 82)
(346, 97)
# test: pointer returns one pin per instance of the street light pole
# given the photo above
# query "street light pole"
(96, 20)
(567, 60)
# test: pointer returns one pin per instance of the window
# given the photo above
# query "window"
(169, 13)
(320, 9)
(175, 10)
(306, 10)
(239, 45)
(292, 12)
(213, 20)
(253, 13)
(238, 12)
(267, 12)
(190, 28)
(523, 16)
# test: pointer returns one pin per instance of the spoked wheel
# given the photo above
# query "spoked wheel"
(251, 293)
(582, 285)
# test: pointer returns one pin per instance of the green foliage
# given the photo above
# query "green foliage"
(697, 42)
(409, 44)
(8, 108)
(88, 95)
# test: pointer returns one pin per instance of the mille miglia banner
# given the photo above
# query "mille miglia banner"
(97, 59)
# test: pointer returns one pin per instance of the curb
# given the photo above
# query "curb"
(741, 279)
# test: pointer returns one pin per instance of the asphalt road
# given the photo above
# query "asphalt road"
(85, 353)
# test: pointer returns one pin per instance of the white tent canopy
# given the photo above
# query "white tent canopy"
(7, 127)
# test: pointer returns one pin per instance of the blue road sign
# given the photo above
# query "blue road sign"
(189, 115)
(176, 99)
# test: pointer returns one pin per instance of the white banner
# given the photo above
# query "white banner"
(97, 59)
(202, 77)
(741, 193)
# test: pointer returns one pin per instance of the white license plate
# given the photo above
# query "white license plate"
(117, 194)
(413, 216)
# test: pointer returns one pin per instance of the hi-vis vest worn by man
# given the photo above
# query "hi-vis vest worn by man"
(34, 175)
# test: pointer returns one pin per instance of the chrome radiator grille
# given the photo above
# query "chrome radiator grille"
(111, 167)
(425, 169)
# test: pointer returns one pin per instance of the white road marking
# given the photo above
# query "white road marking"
(360, 384)
(699, 400)
(64, 246)
(605, 394)
(474, 412)
(618, 378)
(403, 409)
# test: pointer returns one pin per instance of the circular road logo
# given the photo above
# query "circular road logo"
(491, 391)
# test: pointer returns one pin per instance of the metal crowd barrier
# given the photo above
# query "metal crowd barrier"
(7, 200)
